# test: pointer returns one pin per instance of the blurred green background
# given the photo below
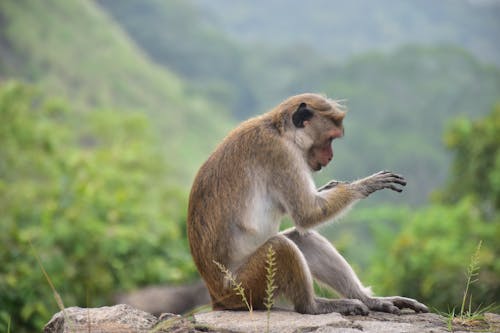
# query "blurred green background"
(107, 109)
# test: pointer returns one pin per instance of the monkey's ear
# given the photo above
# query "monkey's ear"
(301, 114)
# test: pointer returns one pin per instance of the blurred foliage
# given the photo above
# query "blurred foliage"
(213, 64)
(408, 93)
(428, 257)
(399, 106)
(91, 192)
(175, 62)
(476, 168)
(74, 50)
(423, 253)
(101, 191)
(345, 28)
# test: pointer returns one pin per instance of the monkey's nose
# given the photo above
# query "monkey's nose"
(338, 133)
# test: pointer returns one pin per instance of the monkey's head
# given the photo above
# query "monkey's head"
(318, 121)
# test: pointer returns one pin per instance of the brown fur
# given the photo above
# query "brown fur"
(261, 171)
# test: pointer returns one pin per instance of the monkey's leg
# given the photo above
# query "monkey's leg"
(328, 266)
(293, 281)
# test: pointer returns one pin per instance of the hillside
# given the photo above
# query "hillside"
(401, 103)
(408, 94)
(73, 49)
(344, 28)
(176, 63)
(96, 155)
(177, 35)
(107, 108)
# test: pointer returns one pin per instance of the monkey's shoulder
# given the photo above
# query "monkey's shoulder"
(249, 141)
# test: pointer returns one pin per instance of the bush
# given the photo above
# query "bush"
(428, 259)
(424, 253)
(91, 192)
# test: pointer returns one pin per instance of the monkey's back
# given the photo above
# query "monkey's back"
(221, 191)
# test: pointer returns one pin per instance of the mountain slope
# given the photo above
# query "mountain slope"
(401, 104)
(73, 49)
(342, 28)
(408, 94)
(178, 35)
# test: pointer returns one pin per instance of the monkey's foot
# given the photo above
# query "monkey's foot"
(342, 306)
(394, 304)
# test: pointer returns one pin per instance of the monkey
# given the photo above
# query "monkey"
(261, 172)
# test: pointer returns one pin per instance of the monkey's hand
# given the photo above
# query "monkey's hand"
(379, 181)
(394, 304)
(331, 184)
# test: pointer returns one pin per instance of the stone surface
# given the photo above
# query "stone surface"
(280, 321)
(118, 318)
(292, 322)
(493, 320)
(121, 319)
(166, 298)
(125, 318)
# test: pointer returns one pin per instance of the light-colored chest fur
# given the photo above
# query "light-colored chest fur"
(261, 221)
(264, 210)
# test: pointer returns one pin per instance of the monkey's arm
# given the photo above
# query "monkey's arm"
(311, 209)
(331, 184)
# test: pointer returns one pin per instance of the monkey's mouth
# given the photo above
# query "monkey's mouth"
(326, 153)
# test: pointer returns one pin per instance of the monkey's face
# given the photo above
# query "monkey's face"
(323, 130)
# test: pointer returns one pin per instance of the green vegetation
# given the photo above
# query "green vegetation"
(472, 273)
(408, 94)
(270, 282)
(339, 28)
(93, 63)
(469, 316)
(270, 267)
(399, 105)
(92, 192)
(420, 253)
(203, 56)
(237, 286)
(476, 168)
(107, 109)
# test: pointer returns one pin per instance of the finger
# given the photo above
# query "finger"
(399, 181)
(394, 188)
(394, 310)
(397, 176)
(392, 176)
(388, 307)
(410, 304)
(362, 310)
(419, 307)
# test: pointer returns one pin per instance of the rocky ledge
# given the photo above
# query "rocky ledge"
(124, 318)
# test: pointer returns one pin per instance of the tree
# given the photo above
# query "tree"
(476, 168)
(91, 192)
(428, 257)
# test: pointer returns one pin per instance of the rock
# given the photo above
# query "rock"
(292, 322)
(121, 318)
(280, 321)
(118, 318)
(166, 298)
(493, 320)
(125, 318)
